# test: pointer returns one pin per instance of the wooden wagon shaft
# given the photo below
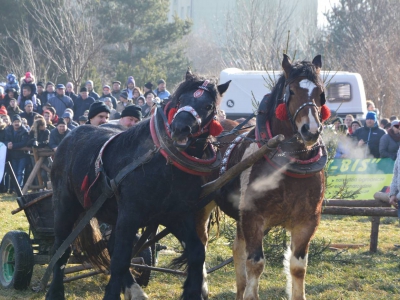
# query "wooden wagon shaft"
(31, 203)
(36, 157)
(360, 211)
(240, 167)
(14, 180)
(355, 203)
(32, 176)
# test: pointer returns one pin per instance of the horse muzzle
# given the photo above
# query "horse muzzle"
(310, 138)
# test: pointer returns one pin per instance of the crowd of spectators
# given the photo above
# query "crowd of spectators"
(34, 114)
(376, 138)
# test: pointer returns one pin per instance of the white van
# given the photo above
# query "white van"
(345, 92)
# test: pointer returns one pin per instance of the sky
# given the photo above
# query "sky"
(324, 6)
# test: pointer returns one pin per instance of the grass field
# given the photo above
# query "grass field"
(347, 274)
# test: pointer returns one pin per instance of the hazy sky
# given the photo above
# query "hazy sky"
(323, 6)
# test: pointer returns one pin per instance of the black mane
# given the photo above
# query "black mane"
(300, 68)
(192, 84)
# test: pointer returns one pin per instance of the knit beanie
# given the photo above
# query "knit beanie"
(61, 121)
(40, 84)
(16, 117)
(96, 108)
(89, 82)
(148, 85)
(338, 119)
(132, 111)
(371, 115)
(3, 110)
(130, 80)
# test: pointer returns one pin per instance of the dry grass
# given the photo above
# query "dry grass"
(349, 275)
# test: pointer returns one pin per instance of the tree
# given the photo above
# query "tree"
(143, 41)
(362, 36)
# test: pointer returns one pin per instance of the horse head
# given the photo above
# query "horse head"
(304, 98)
(194, 109)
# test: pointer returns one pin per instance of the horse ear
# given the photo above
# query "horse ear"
(189, 74)
(317, 61)
(223, 87)
(286, 64)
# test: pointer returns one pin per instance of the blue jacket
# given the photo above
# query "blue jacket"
(81, 105)
(162, 95)
(61, 103)
(19, 140)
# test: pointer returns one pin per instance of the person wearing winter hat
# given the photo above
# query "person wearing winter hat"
(58, 134)
(130, 116)
(82, 120)
(49, 93)
(337, 122)
(82, 103)
(28, 113)
(40, 92)
(69, 91)
(16, 137)
(99, 113)
(355, 125)
(369, 136)
(148, 87)
(116, 89)
(130, 85)
(390, 142)
(124, 101)
(61, 102)
(161, 90)
(90, 86)
(67, 116)
(12, 82)
(29, 80)
(3, 111)
(107, 94)
(10, 94)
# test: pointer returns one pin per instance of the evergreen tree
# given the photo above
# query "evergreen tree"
(142, 41)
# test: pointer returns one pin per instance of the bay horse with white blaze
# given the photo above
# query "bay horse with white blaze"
(162, 190)
(284, 189)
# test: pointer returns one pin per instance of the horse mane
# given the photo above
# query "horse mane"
(299, 68)
(192, 83)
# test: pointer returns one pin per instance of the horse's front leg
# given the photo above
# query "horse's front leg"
(252, 225)
(239, 259)
(296, 258)
(195, 286)
(121, 250)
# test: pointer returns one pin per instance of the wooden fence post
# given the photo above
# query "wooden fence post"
(373, 245)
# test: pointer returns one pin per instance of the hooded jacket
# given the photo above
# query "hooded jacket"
(371, 137)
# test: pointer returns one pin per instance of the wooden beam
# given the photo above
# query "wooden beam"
(355, 203)
(32, 176)
(360, 211)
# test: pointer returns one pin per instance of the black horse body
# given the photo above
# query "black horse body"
(155, 193)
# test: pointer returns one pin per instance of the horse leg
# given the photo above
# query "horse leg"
(239, 259)
(252, 225)
(296, 258)
(67, 211)
(195, 287)
(121, 243)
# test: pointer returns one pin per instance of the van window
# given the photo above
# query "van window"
(338, 91)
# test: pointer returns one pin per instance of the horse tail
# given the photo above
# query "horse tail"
(180, 262)
(90, 241)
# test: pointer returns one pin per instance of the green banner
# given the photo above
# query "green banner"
(369, 175)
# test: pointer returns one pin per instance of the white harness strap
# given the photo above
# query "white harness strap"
(191, 110)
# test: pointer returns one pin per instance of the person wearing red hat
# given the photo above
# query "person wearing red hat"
(29, 80)
(3, 111)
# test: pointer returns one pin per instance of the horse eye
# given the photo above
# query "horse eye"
(291, 92)
(208, 107)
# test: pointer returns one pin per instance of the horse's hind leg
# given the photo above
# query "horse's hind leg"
(67, 211)
(296, 260)
(252, 225)
(239, 259)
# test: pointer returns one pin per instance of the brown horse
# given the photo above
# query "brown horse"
(284, 189)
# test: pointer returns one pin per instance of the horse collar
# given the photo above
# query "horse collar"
(196, 166)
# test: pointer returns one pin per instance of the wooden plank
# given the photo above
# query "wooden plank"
(32, 176)
(360, 211)
(373, 245)
(356, 203)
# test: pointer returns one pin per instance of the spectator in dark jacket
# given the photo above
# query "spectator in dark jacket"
(29, 114)
(116, 89)
(39, 136)
(68, 119)
(70, 91)
(16, 138)
(58, 134)
(82, 103)
(29, 80)
(370, 135)
(90, 87)
(99, 113)
(390, 142)
(13, 109)
(25, 96)
(11, 94)
(60, 102)
(49, 93)
(107, 93)
(12, 82)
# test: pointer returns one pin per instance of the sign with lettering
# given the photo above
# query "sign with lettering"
(370, 175)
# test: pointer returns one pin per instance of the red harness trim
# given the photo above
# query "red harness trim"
(170, 159)
(268, 134)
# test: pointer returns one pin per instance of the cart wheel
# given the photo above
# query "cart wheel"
(143, 277)
(16, 260)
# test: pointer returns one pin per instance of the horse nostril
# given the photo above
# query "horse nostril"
(305, 128)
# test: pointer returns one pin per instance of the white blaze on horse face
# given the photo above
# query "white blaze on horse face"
(309, 85)
(313, 122)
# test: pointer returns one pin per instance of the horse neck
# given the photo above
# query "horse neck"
(293, 141)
